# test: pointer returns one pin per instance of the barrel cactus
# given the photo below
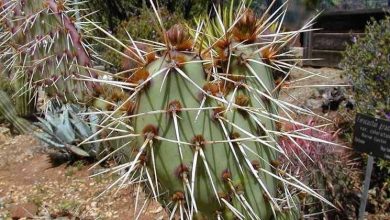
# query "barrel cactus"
(41, 47)
(205, 117)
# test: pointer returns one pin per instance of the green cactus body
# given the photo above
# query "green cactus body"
(116, 125)
(42, 48)
(193, 127)
(206, 121)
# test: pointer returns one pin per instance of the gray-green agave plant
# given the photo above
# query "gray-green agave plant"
(63, 129)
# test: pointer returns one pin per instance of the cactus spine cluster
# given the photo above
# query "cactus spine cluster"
(42, 47)
(205, 119)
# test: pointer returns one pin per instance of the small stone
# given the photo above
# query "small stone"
(313, 104)
(5, 131)
(27, 210)
(3, 138)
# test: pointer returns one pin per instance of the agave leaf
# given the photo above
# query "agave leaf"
(47, 138)
(93, 120)
(82, 129)
(64, 129)
(76, 150)
(45, 126)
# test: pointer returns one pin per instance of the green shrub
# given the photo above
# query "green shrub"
(367, 66)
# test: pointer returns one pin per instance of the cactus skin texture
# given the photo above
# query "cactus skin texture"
(42, 47)
(176, 94)
(205, 120)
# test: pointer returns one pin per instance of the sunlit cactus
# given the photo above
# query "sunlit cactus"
(205, 118)
(41, 46)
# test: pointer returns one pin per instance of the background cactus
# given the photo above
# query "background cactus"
(332, 169)
(42, 47)
(206, 118)
(8, 111)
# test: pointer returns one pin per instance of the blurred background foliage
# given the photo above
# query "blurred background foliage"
(137, 18)
(113, 13)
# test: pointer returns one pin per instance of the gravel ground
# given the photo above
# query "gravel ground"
(31, 187)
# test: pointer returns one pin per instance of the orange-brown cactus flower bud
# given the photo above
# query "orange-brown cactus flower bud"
(179, 38)
(269, 54)
(139, 76)
(245, 28)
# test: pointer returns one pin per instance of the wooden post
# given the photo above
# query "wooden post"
(366, 187)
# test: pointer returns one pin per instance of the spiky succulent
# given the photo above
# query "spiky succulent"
(63, 128)
(41, 46)
(324, 167)
(204, 116)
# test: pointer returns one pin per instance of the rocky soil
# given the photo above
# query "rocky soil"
(30, 187)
